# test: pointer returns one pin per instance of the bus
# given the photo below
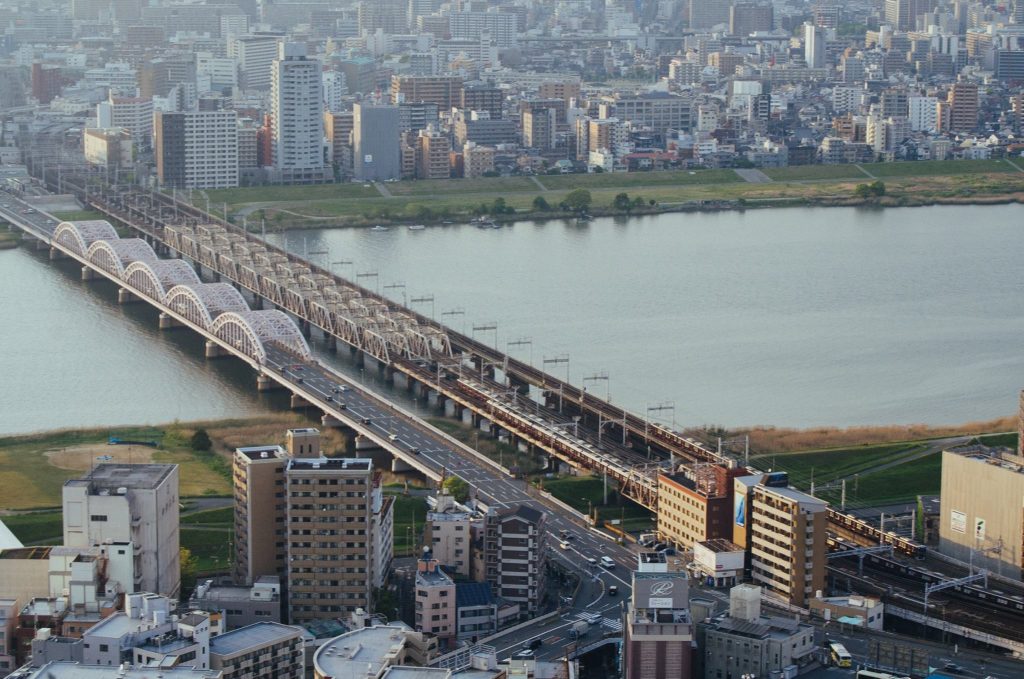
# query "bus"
(840, 656)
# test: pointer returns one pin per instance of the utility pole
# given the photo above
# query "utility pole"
(842, 501)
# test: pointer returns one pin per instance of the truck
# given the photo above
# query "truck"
(579, 629)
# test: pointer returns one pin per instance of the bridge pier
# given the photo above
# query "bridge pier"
(399, 465)
(56, 254)
(297, 402)
(214, 350)
(88, 274)
(522, 386)
(364, 443)
(168, 322)
(332, 342)
(452, 409)
(125, 296)
(264, 383)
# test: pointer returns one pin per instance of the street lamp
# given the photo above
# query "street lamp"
(342, 262)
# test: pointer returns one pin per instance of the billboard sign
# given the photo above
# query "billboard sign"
(958, 521)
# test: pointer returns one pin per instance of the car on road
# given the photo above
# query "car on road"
(607, 562)
(613, 590)
(952, 667)
(533, 644)
(592, 561)
(414, 451)
(563, 544)
(366, 420)
(524, 654)
(392, 437)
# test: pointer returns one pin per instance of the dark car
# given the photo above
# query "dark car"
(533, 645)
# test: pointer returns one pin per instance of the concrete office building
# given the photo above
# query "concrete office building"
(982, 500)
(750, 17)
(747, 643)
(963, 107)
(258, 480)
(297, 133)
(134, 114)
(240, 606)
(658, 631)
(129, 503)
(788, 542)
(923, 114)
(376, 141)
(661, 112)
(514, 555)
(196, 149)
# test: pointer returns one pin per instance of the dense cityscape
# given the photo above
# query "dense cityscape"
(403, 494)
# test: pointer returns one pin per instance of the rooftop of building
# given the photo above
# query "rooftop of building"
(524, 512)
(402, 672)
(651, 557)
(473, 594)
(720, 545)
(798, 496)
(73, 670)
(168, 644)
(331, 463)
(118, 625)
(112, 476)
(763, 628)
(26, 553)
(433, 578)
(363, 652)
(261, 452)
(1005, 458)
(252, 636)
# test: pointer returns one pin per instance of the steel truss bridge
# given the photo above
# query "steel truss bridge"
(457, 367)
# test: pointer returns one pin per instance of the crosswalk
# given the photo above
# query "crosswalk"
(612, 624)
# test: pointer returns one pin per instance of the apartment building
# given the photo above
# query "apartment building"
(963, 107)
(448, 533)
(255, 54)
(695, 504)
(435, 600)
(658, 631)
(264, 650)
(134, 114)
(482, 96)
(238, 605)
(443, 90)
(514, 555)
(196, 149)
(477, 160)
(297, 132)
(432, 154)
(788, 542)
(327, 531)
(657, 111)
(135, 504)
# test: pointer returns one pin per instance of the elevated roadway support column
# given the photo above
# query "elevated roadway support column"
(400, 465)
(453, 409)
(167, 322)
(297, 402)
(88, 274)
(365, 443)
(56, 254)
(125, 296)
(264, 383)
(214, 350)
(522, 386)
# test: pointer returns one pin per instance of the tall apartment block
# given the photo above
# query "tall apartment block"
(658, 630)
(514, 555)
(254, 54)
(296, 94)
(787, 541)
(196, 149)
(376, 142)
(320, 523)
(129, 503)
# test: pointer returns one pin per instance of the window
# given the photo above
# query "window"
(104, 648)
(98, 517)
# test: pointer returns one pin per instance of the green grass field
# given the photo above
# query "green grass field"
(902, 483)
(576, 491)
(813, 172)
(934, 168)
(440, 187)
(1004, 440)
(260, 194)
(211, 548)
(78, 215)
(37, 528)
(637, 180)
(223, 517)
(827, 465)
(410, 513)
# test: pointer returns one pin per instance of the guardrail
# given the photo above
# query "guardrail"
(1016, 647)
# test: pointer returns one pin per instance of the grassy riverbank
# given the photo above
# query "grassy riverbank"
(907, 184)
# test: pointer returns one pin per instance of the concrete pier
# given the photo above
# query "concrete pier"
(264, 383)
(88, 274)
(214, 350)
(363, 443)
(298, 402)
(167, 322)
(56, 254)
(125, 296)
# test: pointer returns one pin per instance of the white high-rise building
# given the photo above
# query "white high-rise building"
(254, 54)
(296, 93)
(335, 90)
(134, 114)
(923, 114)
(814, 46)
(196, 149)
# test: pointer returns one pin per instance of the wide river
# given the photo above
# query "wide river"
(792, 317)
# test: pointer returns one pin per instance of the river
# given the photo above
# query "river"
(791, 317)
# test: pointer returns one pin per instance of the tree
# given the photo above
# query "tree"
(541, 205)
(862, 191)
(457, 488)
(578, 200)
(189, 568)
(201, 441)
(877, 188)
(621, 202)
